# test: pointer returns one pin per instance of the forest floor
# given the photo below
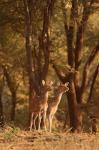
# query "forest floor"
(16, 139)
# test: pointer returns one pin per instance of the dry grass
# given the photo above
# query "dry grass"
(16, 139)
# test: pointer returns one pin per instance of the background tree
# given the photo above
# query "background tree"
(38, 61)
(13, 85)
(1, 92)
(78, 13)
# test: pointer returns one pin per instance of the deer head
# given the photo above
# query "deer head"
(62, 87)
(46, 86)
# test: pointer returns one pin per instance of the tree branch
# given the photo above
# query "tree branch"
(93, 82)
(80, 30)
(64, 16)
(59, 73)
(45, 42)
(11, 84)
(63, 77)
(86, 69)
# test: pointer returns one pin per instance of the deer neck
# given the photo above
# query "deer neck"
(45, 97)
(58, 98)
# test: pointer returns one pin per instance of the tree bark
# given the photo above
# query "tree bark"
(28, 44)
(72, 103)
(1, 109)
(1, 92)
(72, 94)
(13, 110)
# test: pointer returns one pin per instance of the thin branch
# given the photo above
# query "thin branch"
(59, 73)
(69, 32)
(11, 84)
(80, 31)
(94, 52)
(64, 16)
(86, 12)
(86, 69)
(93, 82)
(63, 77)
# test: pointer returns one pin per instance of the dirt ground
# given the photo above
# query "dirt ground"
(25, 140)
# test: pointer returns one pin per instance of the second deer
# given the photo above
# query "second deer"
(53, 102)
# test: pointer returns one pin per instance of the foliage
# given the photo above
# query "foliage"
(10, 134)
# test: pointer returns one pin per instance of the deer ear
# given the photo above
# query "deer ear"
(66, 84)
(51, 83)
(58, 84)
(43, 82)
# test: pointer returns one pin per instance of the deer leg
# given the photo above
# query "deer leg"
(34, 121)
(31, 122)
(50, 122)
(44, 118)
(39, 121)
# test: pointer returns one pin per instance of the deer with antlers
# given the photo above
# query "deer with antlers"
(40, 105)
(53, 102)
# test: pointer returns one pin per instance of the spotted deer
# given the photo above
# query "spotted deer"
(40, 105)
(53, 102)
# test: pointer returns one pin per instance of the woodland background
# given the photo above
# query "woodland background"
(54, 40)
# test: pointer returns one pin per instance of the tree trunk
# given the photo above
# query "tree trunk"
(1, 92)
(72, 106)
(44, 42)
(1, 111)
(13, 88)
(13, 106)
(28, 45)
(78, 57)
(75, 118)
(74, 112)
